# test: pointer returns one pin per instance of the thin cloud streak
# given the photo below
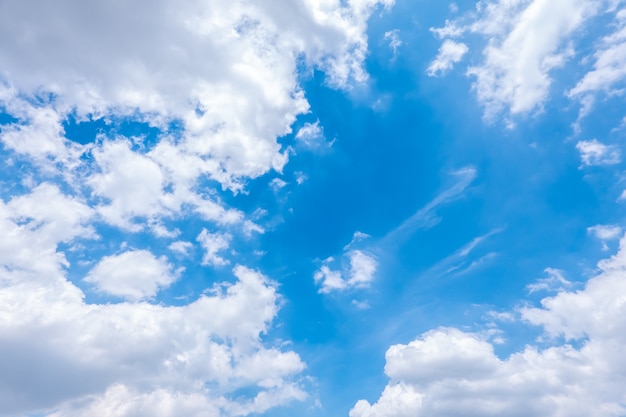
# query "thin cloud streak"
(426, 217)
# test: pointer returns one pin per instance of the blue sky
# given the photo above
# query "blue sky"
(365, 208)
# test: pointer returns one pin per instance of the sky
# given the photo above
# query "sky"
(357, 208)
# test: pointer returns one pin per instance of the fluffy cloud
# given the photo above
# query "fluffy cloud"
(448, 372)
(212, 243)
(132, 275)
(359, 272)
(217, 82)
(59, 352)
(449, 54)
(593, 152)
(525, 41)
(210, 66)
(311, 134)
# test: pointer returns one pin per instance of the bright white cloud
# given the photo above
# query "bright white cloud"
(609, 68)
(213, 243)
(151, 67)
(593, 152)
(362, 268)
(448, 372)
(311, 134)
(125, 359)
(525, 41)
(226, 73)
(449, 54)
(358, 273)
(133, 275)
(330, 280)
(181, 247)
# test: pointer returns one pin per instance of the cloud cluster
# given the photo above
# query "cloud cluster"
(449, 372)
(216, 84)
(57, 351)
(524, 42)
(226, 70)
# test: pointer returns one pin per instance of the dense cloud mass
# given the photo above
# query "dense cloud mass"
(218, 82)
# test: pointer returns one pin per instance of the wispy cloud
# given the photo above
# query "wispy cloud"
(395, 43)
(554, 282)
(605, 232)
(450, 53)
(427, 217)
(593, 152)
(460, 262)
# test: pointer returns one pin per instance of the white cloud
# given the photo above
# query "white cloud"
(277, 184)
(310, 131)
(181, 247)
(609, 68)
(311, 135)
(150, 67)
(554, 282)
(124, 357)
(448, 372)
(131, 183)
(133, 275)
(605, 232)
(525, 41)
(330, 280)
(593, 152)
(362, 268)
(395, 43)
(226, 73)
(359, 272)
(449, 54)
(213, 243)
(129, 359)
(460, 262)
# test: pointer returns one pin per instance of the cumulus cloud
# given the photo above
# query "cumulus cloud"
(149, 67)
(447, 371)
(122, 356)
(217, 83)
(213, 243)
(594, 152)
(125, 358)
(132, 275)
(524, 42)
(358, 273)
(181, 247)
